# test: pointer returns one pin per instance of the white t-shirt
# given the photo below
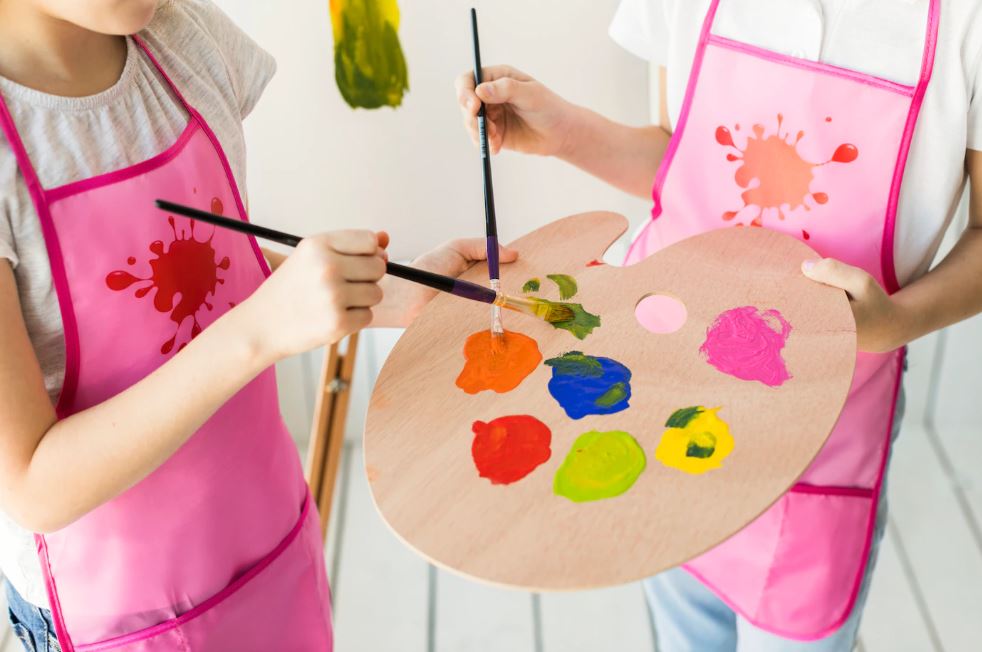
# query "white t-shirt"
(879, 37)
(220, 71)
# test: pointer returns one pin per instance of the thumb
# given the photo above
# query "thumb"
(507, 255)
(505, 91)
(837, 274)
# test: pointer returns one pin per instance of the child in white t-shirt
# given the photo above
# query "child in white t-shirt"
(922, 54)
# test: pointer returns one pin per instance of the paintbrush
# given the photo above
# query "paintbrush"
(490, 219)
(549, 311)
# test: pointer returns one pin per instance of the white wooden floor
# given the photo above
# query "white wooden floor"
(926, 596)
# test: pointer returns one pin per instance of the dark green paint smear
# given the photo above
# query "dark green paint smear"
(531, 285)
(575, 363)
(370, 68)
(704, 448)
(582, 324)
(567, 285)
(617, 393)
(681, 418)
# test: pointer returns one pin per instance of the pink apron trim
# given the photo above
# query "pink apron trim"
(857, 492)
(70, 383)
(927, 69)
(676, 139)
(807, 64)
(197, 117)
(118, 176)
(57, 618)
(211, 602)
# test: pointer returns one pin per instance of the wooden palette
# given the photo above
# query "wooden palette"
(418, 435)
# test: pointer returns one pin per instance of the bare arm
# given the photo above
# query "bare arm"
(52, 472)
(944, 296)
(526, 116)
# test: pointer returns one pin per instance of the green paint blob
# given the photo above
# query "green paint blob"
(531, 285)
(575, 363)
(582, 323)
(369, 65)
(681, 418)
(599, 465)
(567, 285)
(617, 393)
(702, 446)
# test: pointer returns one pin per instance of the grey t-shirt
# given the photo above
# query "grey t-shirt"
(218, 69)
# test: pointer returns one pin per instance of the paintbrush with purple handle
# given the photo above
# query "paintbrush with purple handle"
(546, 310)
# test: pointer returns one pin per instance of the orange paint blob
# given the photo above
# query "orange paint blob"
(499, 366)
(775, 175)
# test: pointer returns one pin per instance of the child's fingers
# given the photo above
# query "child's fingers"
(353, 242)
(466, 97)
(491, 73)
(507, 255)
(832, 272)
(362, 295)
(362, 268)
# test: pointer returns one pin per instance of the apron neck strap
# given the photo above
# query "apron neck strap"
(20, 152)
(163, 75)
(9, 129)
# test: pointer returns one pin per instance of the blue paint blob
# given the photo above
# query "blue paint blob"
(584, 384)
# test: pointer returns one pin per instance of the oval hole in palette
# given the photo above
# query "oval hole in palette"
(676, 455)
(661, 313)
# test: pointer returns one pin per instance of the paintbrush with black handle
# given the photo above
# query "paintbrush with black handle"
(549, 311)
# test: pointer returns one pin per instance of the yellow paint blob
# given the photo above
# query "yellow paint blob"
(696, 441)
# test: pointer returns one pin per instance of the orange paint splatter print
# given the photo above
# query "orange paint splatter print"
(775, 175)
(184, 274)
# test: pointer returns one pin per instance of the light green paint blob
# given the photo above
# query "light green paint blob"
(531, 285)
(582, 323)
(369, 66)
(567, 285)
(599, 465)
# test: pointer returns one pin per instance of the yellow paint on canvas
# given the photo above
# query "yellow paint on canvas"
(370, 68)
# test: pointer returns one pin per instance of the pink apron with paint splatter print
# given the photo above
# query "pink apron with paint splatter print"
(818, 152)
(219, 548)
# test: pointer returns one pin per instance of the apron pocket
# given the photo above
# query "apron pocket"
(819, 559)
(281, 603)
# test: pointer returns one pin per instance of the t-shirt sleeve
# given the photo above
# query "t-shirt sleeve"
(641, 28)
(249, 66)
(7, 251)
(975, 108)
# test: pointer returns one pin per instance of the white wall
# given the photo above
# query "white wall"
(314, 163)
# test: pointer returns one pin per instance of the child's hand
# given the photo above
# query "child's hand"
(405, 300)
(322, 292)
(522, 114)
(879, 320)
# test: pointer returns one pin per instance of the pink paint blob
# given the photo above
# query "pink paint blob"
(747, 343)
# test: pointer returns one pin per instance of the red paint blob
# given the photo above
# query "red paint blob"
(216, 206)
(595, 263)
(729, 215)
(828, 119)
(724, 137)
(806, 235)
(509, 448)
(846, 154)
(187, 268)
(821, 197)
(131, 261)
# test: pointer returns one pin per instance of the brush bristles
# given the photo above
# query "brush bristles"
(558, 313)
(554, 313)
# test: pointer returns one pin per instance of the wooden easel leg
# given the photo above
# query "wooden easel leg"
(327, 432)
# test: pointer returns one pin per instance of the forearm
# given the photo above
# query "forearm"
(89, 458)
(948, 294)
(623, 156)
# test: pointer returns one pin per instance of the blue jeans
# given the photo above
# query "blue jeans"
(31, 624)
(688, 617)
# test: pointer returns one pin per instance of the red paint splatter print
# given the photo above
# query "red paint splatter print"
(184, 275)
(783, 177)
(509, 448)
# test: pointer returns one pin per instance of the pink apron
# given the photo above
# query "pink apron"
(817, 152)
(219, 548)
